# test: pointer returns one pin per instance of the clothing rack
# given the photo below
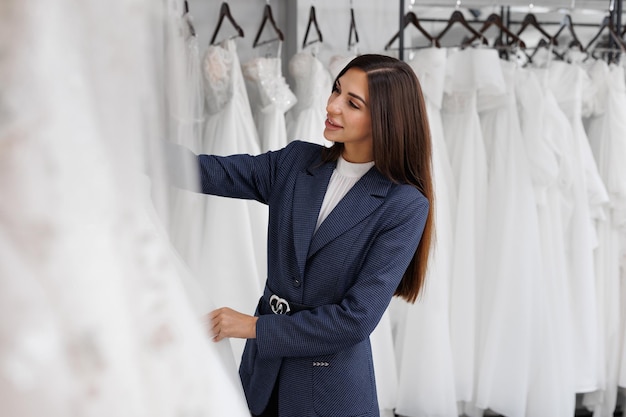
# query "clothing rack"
(615, 14)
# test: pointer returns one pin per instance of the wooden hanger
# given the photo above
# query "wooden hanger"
(607, 23)
(545, 45)
(531, 20)
(352, 30)
(411, 18)
(192, 30)
(225, 12)
(312, 21)
(567, 24)
(458, 17)
(495, 19)
(268, 16)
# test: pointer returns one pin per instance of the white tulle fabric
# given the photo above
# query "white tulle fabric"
(234, 232)
(606, 130)
(423, 346)
(270, 98)
(589, 195)
(467, 72)
(187, 107)
(507, 315)
(96, 320)
(546, 135)
(305, 120)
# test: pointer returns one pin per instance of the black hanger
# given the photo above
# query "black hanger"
(569, 25)
(192, 30)
(411, 18)
(225, 12)
(546, 45)
(312, 20)
(352, 30)
(531, 20)
(458, 17)
(607, 23)
(495, 19)
(268, 16)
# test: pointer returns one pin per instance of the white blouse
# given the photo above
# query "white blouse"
(345, 175)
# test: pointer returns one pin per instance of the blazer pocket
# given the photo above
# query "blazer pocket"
(343, 384)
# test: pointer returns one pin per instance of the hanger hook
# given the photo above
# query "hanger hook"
(457, 5)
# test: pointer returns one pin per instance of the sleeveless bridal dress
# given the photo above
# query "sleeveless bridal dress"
(234, 231)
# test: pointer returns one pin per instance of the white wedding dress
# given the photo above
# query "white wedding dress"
(508, 294)
(96, 320)
(606, 130)
(467, 72)
(234, 231)
(567, 83)
(547, 138)
(423, 347)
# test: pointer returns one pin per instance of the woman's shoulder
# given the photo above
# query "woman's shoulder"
(407, 195)
(301, 152)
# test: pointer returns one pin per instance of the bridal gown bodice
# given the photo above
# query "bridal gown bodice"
(270, 98)
(313, 84)
(229, 124)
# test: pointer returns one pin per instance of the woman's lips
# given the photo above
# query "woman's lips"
(332, 125)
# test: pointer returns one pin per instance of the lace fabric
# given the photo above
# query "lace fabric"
(272, 87)
(217, 70)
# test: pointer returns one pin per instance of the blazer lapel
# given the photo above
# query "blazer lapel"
(364, 197)
(310, 188)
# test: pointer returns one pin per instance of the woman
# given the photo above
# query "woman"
(349, 227)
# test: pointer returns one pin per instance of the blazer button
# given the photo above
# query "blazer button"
(296, 283)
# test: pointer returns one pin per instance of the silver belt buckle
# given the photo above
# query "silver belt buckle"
(279, 305)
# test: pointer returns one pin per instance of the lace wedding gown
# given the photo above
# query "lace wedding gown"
(234, 232)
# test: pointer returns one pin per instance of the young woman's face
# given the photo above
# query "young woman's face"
(348, 119)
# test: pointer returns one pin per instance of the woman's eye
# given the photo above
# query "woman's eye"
(353, 105)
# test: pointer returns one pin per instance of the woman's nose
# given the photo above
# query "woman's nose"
(331, 106)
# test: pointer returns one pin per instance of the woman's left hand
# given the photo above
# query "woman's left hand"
(226, 322)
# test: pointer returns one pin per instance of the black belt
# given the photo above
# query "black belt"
(271, 303)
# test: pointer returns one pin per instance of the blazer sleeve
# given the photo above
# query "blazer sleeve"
(238, 176)
(331, 328)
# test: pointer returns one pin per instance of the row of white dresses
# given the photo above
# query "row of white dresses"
(521, 310)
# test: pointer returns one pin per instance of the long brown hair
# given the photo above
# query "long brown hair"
(402, 145)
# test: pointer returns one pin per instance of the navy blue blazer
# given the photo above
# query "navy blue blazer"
(346, 273)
